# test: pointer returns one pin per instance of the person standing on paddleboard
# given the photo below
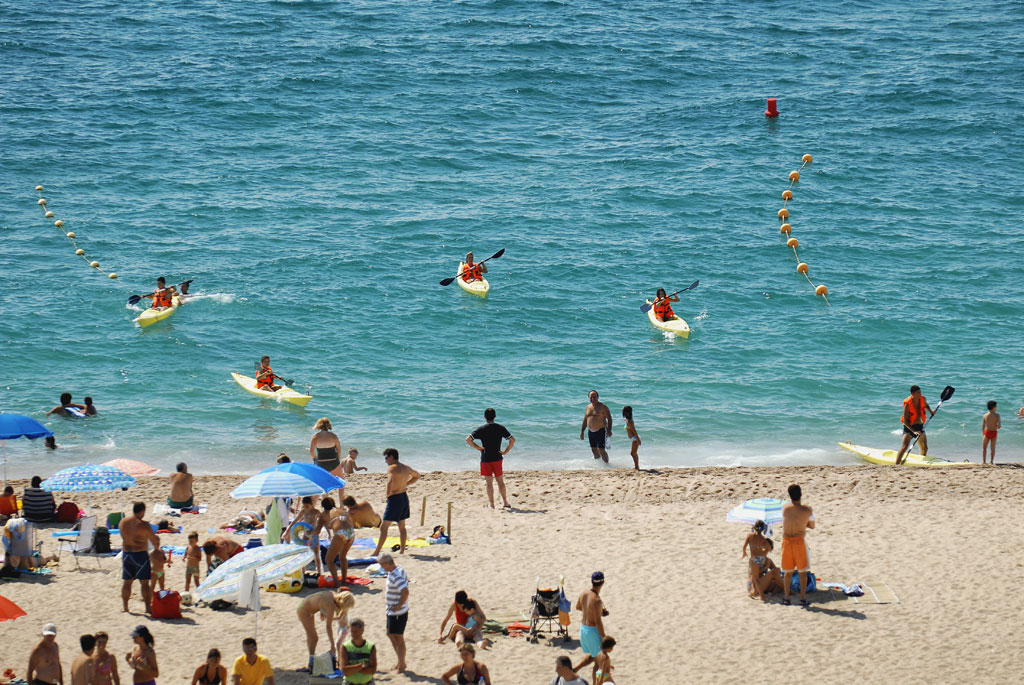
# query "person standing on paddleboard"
(473, 271)
(913, 420)
(597, 424)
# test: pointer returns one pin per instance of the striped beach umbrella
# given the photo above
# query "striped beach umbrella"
(764, 509)
(271, 563)
(88, 478)
(285, 480)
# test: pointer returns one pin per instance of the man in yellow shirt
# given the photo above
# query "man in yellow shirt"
(252, 668)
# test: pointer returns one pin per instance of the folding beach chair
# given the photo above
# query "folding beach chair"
(80, 543)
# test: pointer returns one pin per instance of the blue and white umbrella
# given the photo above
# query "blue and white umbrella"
(14, 426)
(271, 563)
(88, 478)
(764, 509)
(285, 480)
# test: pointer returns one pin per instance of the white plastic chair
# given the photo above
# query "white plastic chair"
(80, 543)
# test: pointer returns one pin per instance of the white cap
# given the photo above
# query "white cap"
(50, 629)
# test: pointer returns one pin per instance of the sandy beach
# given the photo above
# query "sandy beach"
(946, 542)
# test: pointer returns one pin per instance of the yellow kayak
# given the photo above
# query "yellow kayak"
(676, 325)
(480, 287)
(151, 315)
(285, 394)
(888, 457)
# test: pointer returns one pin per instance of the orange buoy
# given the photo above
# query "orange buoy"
(783, 213)
(785, 228)
(794, 176)
(802, 267)
(807, 159)
(821, 290)
(773, 108)
(787, 194)
(793, 242)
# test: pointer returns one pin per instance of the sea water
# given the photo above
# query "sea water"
(318, 167)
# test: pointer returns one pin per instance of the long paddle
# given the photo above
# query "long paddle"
(259, 367)
(645, 307)
(449, 281)
(134, 299)
(947, 392)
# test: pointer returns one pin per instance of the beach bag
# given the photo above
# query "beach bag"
(67, 512)
(101, 541)
(812, 583)
(166, 604)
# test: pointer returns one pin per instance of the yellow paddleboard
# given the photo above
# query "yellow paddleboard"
(888, 457)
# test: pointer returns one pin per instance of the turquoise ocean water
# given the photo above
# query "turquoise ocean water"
(317, 167)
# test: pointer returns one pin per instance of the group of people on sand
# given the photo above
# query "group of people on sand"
(764, 577)
(94, 664)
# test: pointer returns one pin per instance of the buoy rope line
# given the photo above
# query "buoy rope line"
(70, 235)
(787, 230)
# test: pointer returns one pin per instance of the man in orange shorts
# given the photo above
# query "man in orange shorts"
(796, 519)
(490, 436)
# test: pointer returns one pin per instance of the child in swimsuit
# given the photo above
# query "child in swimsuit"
(990, 425)
(157, 559)
(193, 555)
(757, 543)
(634, 437)
(603, 662)
(307, 520)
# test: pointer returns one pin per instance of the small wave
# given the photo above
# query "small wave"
(222, 298)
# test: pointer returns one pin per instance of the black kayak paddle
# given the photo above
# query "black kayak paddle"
(449, 281)
(645, 307)
(947, 392)
(183, 286)
(259, 367)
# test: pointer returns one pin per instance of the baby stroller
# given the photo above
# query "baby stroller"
(549, 611)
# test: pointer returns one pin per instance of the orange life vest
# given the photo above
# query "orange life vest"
(916, 413)
(161, 298)
(267, 380)
(663, 310)
(472, 273)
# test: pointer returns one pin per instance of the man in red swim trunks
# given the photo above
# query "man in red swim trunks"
(490, 436)
(796, 519)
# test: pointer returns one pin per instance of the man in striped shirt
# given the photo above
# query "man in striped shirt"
(396, 597)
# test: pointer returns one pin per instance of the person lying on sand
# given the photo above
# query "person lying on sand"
(247, 519)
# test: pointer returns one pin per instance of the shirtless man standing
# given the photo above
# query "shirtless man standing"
(136, 538)
(44, 660)
(597, 423)
(400, 477)
(592, 630)
(796, 519)
(82, 665)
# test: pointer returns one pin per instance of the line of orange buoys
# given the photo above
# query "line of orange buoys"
(70, 235)
(787, 230)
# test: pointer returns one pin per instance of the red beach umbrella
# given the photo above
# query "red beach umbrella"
(9, 610)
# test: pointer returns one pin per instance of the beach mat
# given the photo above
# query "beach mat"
(390, 542)
(875, 592)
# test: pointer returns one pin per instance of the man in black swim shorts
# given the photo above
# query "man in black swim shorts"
(137, 539)
(400, 477)
(597, 422)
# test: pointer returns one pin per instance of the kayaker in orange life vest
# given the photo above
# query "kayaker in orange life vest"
(662, 308)
(473, 271)
(913, 420)
(161, 296)
(265, 376)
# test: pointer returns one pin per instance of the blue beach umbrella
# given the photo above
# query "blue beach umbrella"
(88, 478)
(764, 509)
(14, 426)
(285, 480)
(271, 563)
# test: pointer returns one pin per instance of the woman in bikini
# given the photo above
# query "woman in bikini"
(325, 448)
(757, 543)
(142, 658)
(305, 530)
(469, 621)
(342, 533)
(211, 673)
(469, 671)
(634, 437)
(331, 607)
(103, 663)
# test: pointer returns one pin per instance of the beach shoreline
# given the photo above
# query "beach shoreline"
(938, 538)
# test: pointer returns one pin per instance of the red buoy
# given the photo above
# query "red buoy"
(772, 110)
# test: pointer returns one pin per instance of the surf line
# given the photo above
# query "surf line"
(787, 230)
(70, 235)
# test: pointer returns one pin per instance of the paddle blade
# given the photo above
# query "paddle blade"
(947, 392)
(646, 307)
(693, 285)
(134, 299)
(256, 366)
(498, 253)
(289, 382)
(448, 281)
